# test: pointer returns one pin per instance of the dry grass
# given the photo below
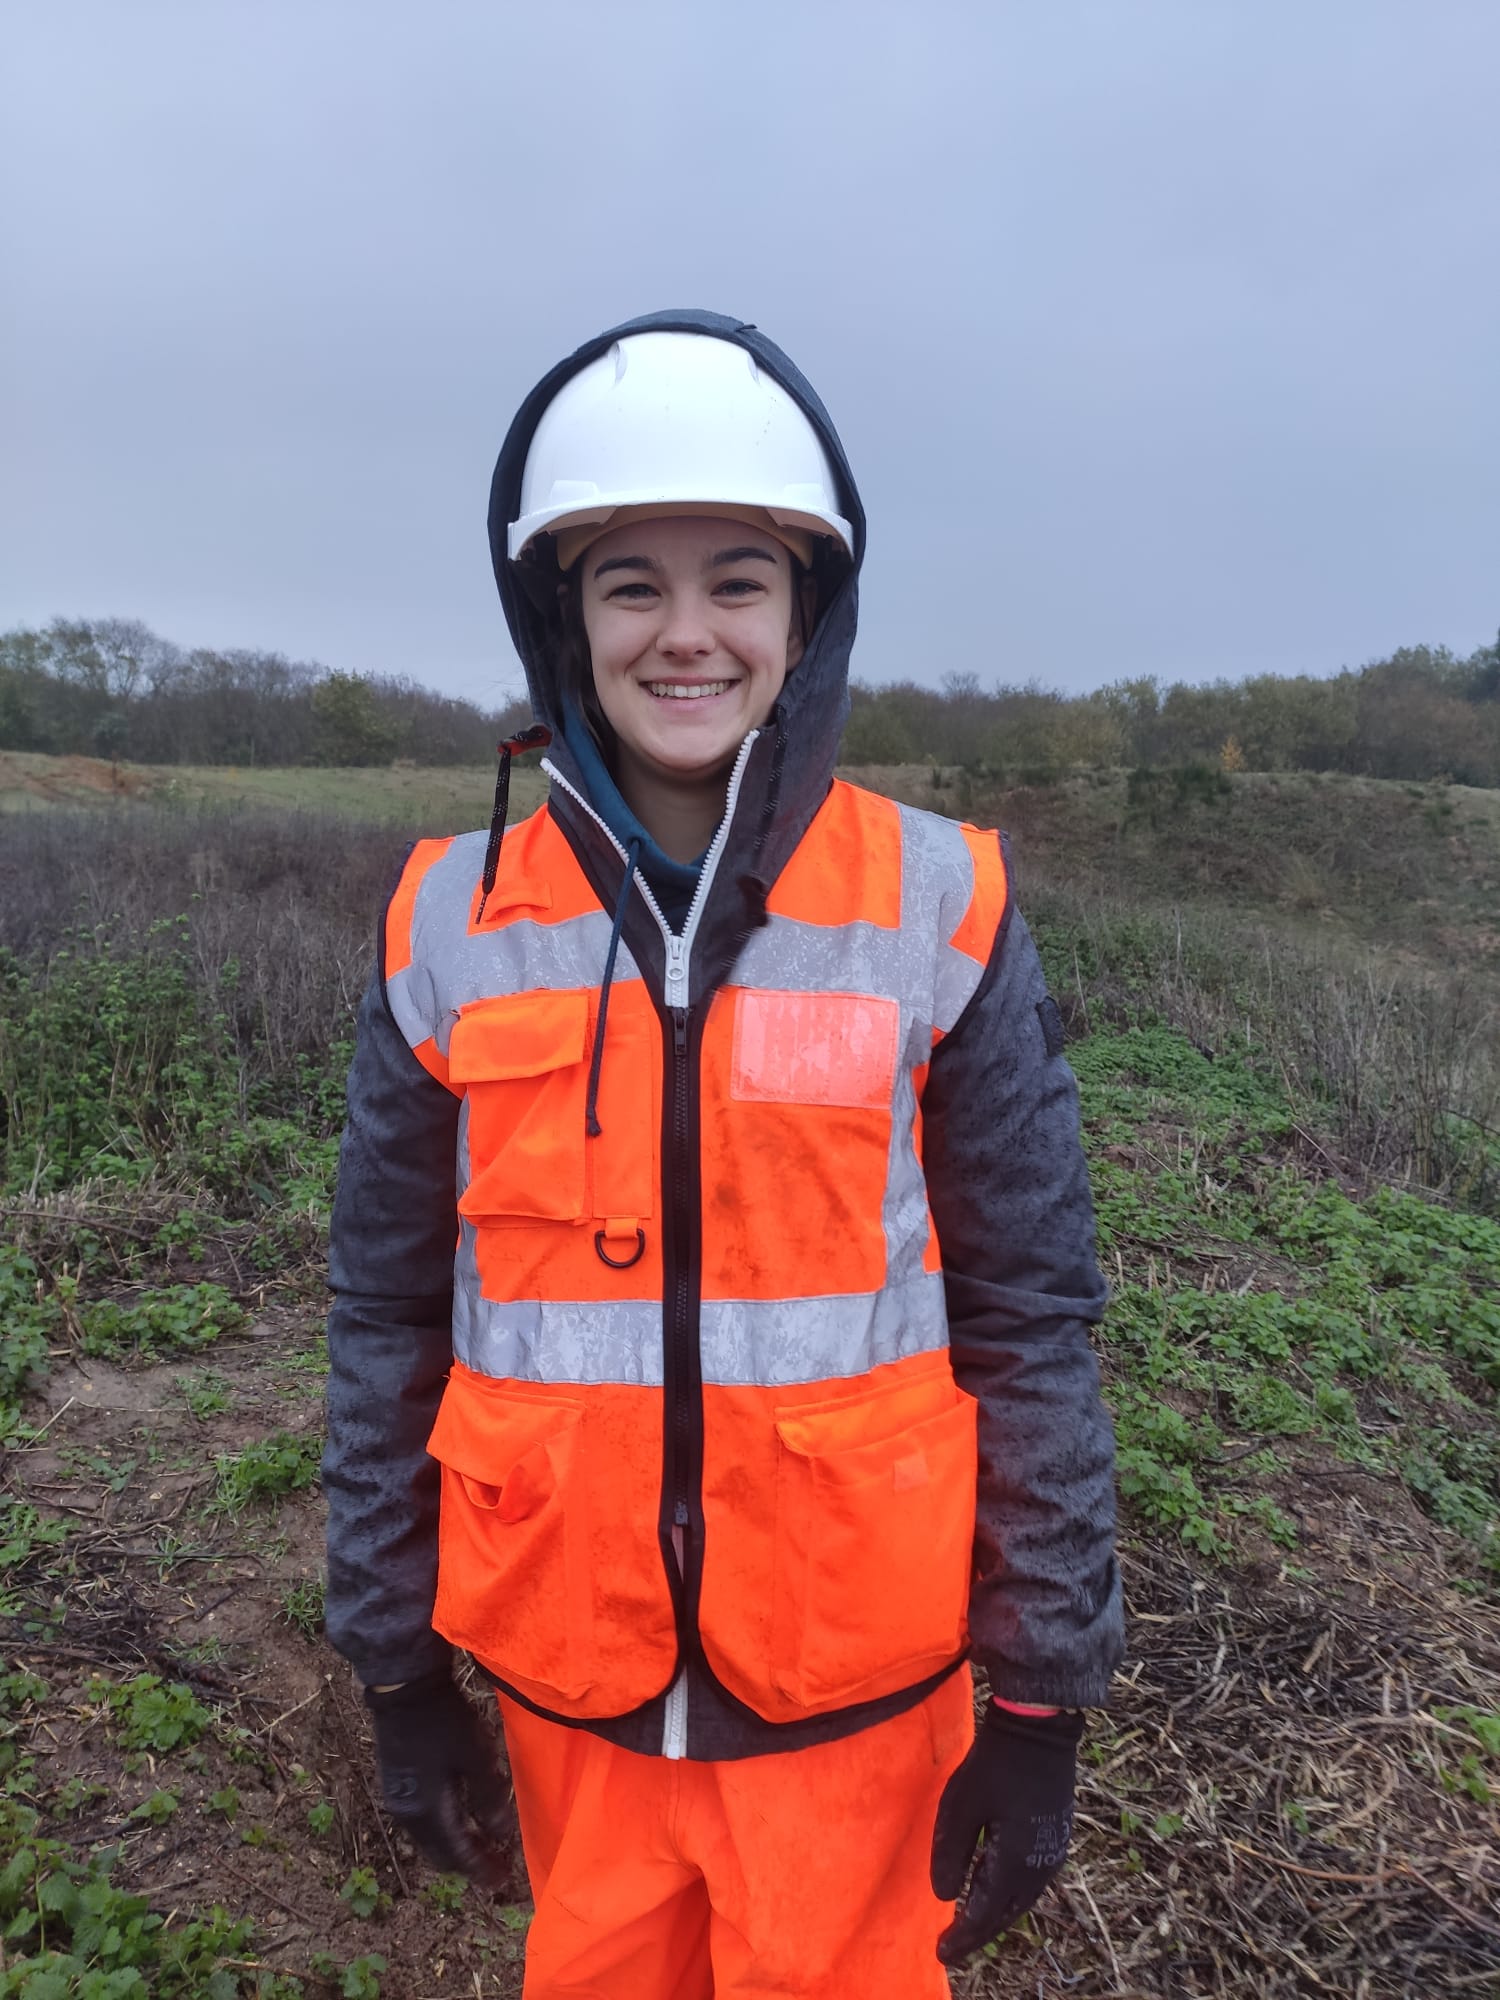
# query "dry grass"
(1316, 1837)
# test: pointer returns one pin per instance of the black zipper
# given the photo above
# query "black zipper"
(681, 1365)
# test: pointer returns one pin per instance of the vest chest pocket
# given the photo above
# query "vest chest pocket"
(523, 1060)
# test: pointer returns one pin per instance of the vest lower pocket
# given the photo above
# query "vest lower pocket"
(550, 1567)
(874, 1543)
(513, 1535)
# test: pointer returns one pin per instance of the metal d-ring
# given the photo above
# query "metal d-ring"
(621, 1263)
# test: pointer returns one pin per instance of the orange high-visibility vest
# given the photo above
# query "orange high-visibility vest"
(701, 1394)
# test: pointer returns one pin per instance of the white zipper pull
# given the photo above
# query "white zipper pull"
(677, 971)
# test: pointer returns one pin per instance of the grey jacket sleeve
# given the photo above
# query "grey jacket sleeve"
(389, 1350)
(1009, 1191)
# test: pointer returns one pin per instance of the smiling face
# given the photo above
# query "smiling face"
(692, 629)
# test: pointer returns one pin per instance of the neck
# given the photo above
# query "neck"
(681, 814)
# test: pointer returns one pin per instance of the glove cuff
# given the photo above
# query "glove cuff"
(419, 1693)
(1064, 1727)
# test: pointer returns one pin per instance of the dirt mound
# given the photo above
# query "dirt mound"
(67, 780)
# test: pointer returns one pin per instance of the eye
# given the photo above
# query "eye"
(740, 586)
(631, 592)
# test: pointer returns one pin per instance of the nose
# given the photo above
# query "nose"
(685, 632)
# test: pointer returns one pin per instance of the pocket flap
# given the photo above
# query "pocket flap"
(848, 1423)
(520, 1034)
(483, 1432)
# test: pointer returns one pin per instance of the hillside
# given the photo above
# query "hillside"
(1375, 858)
(1288, 1086)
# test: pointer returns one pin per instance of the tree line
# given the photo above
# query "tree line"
(1422, 713)
(110, 687)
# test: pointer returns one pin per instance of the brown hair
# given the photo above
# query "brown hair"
(574, 667)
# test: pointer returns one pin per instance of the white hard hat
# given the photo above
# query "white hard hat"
(665, 420)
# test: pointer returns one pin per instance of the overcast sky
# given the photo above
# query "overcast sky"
(1164, 338)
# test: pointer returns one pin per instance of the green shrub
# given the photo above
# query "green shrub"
(29, 1321)
(71, 1934)
(176, 1320)
(279, 1464)
(152, 1714)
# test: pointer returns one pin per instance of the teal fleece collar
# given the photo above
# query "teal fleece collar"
(671, 882)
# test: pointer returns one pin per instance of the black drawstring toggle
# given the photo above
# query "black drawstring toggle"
(537, 737)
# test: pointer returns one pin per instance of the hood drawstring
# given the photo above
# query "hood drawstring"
(537, 737)
(591, 1108)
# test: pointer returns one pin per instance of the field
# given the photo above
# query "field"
(1282, 997)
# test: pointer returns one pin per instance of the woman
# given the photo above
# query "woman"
(758, 1392)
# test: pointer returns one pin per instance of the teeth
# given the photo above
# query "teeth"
(681, 691)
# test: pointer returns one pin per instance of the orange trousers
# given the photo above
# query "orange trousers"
(801, 1875)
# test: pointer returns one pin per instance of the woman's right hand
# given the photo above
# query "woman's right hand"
(442, 1782)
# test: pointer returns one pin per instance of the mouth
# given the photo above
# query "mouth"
(687, 690)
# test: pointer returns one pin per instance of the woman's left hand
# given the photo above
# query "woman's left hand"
(1014, 1794)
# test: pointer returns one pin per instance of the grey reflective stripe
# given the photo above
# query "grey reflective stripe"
(784, 1341)
(904, 1215)
(914, 961)
(518, 957)
(535, 1340)
(743, 1341)
(466, 1257)
(937, 873)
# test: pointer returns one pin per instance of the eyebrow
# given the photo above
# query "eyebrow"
(746, 554)
(741, 555)
(624, 562)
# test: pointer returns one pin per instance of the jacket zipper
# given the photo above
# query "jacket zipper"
(679, 1326)
(676, 1327)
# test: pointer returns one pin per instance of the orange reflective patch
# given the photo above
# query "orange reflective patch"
(399, 910)
(793, 1192)
(847, 868)
(814, 1048)
(975, 936)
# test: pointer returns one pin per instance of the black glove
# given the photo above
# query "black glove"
(1015, 1790)
(438, 1772)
